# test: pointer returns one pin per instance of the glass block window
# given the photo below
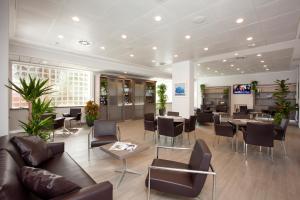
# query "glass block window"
(71, 87)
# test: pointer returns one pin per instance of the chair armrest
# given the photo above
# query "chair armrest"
(118, 133)
(173, 148)
(102, 191)
(183, 170)
(56, 147)
(66, 115)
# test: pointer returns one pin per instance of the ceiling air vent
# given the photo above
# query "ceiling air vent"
(240, 57)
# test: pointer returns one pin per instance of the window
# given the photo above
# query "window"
(71, 87)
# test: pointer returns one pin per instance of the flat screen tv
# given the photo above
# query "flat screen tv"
(242, 89)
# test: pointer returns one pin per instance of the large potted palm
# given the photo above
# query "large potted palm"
(32, 90)
(162, 98)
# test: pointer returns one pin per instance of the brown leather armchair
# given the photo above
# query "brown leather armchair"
(102, 133)
(190, 126)
(150, 124)
(171, 113)
(180, 178)
(259, 134)
(280, 132)
(168, 128)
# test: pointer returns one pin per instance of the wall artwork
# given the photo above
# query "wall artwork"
(179, 89)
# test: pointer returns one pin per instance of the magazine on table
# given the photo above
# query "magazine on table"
(121, 146)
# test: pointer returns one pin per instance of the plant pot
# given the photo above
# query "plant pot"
(90, 122)
(162, 112)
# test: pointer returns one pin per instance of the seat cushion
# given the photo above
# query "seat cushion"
(169, 181)
(102, 140)
(33, 149)
(46, 184)
(64, 165)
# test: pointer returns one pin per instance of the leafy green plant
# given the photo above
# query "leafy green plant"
(161, 92)
(32, 91)
(254, 86)
(103, 86)
(226, 91)
(91, 112)
(283, 106)
(202, 89)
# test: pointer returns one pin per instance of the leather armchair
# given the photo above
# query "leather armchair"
(58, 122)
(102, 133)
(224, 129)
(168, 128)
(150, 124)
(75, 113)
(204, 117)
(190, 126)
(171, 113)
(259, 134)
(180, 178)
(280, 131)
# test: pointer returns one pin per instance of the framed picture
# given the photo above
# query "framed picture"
(179, 89)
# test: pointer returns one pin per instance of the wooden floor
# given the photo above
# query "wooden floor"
(257, 179)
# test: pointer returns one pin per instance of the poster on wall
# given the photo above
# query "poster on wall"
(179, 89)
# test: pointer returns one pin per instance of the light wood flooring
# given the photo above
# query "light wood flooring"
(258, 178)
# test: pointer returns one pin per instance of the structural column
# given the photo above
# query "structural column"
(4, 66)
(183, 88)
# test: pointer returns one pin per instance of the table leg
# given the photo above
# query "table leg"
(125, 170)
(236, 139)
(65, 129)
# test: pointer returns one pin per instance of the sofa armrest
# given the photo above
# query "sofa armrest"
(100, 191)
(56, 147)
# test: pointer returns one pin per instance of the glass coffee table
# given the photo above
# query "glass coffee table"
(123, 155)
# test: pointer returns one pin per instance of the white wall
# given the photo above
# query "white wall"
(183, 72)
(4, 48)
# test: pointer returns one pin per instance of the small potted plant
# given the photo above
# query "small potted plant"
(91, 112)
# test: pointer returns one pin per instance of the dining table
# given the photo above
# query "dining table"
(175, 118)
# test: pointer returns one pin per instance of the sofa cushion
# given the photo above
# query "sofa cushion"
(64, 165)
(10, 184)
(46, 184)
(33, 149)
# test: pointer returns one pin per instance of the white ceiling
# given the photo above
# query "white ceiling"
(102, 22)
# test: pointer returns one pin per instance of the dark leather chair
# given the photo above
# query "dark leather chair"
(244, 109)
(75, 113)
(171, 113)
(280, 132)
(221, 108)
(167, 127)
(224, 129)
(204, 117)
(102, 133)
(240, 115)
(190, 126)
(58, 122)
(150, 124)
(259, 134)
(180, 178)
(11, 186)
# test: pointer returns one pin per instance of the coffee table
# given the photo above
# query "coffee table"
(123, 156)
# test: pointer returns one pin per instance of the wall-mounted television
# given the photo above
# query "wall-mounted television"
(242, 89)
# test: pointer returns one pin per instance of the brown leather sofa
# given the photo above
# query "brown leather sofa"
(62, 164)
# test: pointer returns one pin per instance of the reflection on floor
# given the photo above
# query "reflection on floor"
(257, 179)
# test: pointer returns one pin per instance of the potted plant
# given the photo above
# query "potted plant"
(91, 112)
(254, 87)
(161, 92)
(31, 91)
(225, 92)
(283, 106)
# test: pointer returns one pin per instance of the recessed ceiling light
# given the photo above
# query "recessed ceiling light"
(187, 37)
(267, 69)
(242, 72)
(153, 61)
(238, 69)
(258, 55)
(175, 55)
(75, 19)
(216, 71)
(44, 62)
(125, 72)
(103, 47)
(239, 20)
(198, 64)
(208, 68)
(232, 65)
(154, 48)
(158, 18)
(265, 66)
(224, 60)
(123, 36)
(252, 45)
(84, 42)
(262, 61)
(60, 36)
(236, 54)
(205, 48)
(131, 55)
(249, 38)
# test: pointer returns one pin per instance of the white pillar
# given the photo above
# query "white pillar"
(183, 76)
(4, 51)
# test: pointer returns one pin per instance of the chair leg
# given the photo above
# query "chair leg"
(232, 139)
(246, 151)
(189, 138)
(144, 134)
(195, 135)
(259, 148)
(272, 154)
(284, 149)
(89, 153)
(173, 141)
(215, 141)
(53, 135)
(219, 140)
